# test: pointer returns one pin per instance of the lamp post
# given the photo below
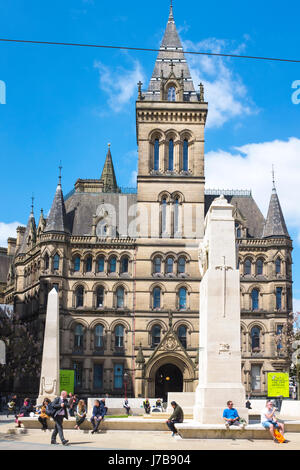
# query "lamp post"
(125, 378)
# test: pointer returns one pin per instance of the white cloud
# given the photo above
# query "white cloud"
(296, 306)
(250, 167)
(224, 90)
(7, 231)
(119, 84)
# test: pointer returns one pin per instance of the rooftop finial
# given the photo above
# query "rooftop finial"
(273, 179)
(32, 203)
(60, 168)
(171, 17)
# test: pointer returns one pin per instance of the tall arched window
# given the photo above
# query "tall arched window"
(156, 154)
(170, 265)
(100, 297)
(171, 155)
(77, 263)
(247, 266)
(278, 266)
(119, 336)
(278, 298)
(112, 265)
(124, 264)
(164, 215)
(79, 296)
(259, 266)
(155, 336)
(171, 94)
(100, 264)
(98, 337)
(176, 215)
(181, 332)
(182, 298)
(181, 265)
(120, 294)
(78, 336)
(157, 264)
(56, 262)
(156, 297)
(46, 261)
(88, 264)
(255, 299)
(255, 339)
(185, 162)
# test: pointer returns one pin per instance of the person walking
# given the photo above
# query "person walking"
(80, 414)
(43, 417)
(176, 417)
(60, 406)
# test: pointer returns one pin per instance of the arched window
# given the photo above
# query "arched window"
(156, 297)
(157, 265)
(119, 336)
(79, 296)
(120, 293)
(176, 215)
(100, 296)
(171, 155)
(255, 299)
(278, 298)
(155, 336)
(124, 264)
(255, 339)
(100, 264)
(247, 266)
(185, 162)
(278, 266)
(112, 265)
(181, 265)
(46, 261)
(170, 264)
(181, 332)
(77, 263)
(156, 154)
(56, 262)
(98, 337)
(171, 94)
(182, 298)
(78, 336)
(88, 264)
(259, 266)
(164, 215)
(238, 230)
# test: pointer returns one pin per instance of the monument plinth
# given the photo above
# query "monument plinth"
(49, 382)
(219, 329)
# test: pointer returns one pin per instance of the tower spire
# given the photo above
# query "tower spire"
(275, 225)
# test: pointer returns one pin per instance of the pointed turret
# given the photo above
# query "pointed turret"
(29, 238)
(171, 59)
(108, 175)
(57, 220)
(275, 224)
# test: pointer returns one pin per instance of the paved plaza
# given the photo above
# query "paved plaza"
(130, 440)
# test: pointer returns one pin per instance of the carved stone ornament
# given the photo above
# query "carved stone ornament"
(49, 386)
(224, 349)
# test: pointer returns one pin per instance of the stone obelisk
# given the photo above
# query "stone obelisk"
(219, 330)
(49, 382)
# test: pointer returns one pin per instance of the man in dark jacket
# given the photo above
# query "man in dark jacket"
(99, 411)
(60, 405)
(176, 417)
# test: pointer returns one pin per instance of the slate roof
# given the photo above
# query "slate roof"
(170, 44)
(57, 220)
(275, 224)
(108, 174)
(30, 231)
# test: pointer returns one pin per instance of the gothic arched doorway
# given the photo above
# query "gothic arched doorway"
(168, 378)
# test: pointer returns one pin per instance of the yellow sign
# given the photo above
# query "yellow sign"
(67, 380)
(278, 384)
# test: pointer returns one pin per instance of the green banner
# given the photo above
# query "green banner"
(67, 380)
(278, 384)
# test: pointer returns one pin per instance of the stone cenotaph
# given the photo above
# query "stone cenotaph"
(219, 329)
(49, 382)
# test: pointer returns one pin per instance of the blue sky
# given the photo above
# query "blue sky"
(67, 103)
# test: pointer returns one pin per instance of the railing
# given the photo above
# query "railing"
(228, 192)
(120, 190)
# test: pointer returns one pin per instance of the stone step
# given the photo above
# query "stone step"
(165, 416)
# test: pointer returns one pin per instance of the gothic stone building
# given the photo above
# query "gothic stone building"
(126, 263)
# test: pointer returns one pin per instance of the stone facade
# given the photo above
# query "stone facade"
(126, 263)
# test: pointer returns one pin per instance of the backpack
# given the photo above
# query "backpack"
(280, 438)
(50, 411)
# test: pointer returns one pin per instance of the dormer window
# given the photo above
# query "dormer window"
(171, 94)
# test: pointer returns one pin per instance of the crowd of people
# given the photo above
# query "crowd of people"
(70, 405)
